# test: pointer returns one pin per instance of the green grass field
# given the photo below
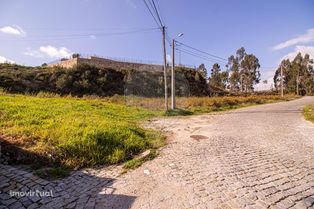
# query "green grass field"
(309, 112)
(80, 132)
(76, 132)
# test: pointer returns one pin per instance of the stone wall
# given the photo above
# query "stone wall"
(66, 63)
(107, 63)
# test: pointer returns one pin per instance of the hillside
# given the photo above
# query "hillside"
(90, 80)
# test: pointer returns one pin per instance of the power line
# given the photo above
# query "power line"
(201, 56)
(80, 36)
(158, 7)
(196, 54)
(147, 6)
(168, 39)
(158, 15)
(202, 51)
(83, 29)
(105, 34)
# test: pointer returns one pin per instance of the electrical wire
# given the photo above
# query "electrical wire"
(158, 7)
(147, 6)
(196, 54)
(79, 36)
(158, 15)
(201, 56)
(215, 56)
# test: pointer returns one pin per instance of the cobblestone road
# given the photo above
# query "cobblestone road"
(256, 157)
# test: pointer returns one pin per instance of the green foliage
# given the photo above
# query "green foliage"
(178, 112)
(244, 73)
(137, 162)
(217, 78)
(202, 70)
(76, 132)
(298, 75)
(90, 80)
(308, 112)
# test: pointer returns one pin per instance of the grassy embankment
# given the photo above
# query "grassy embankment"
(308, 112)
(78, 132)
(73, 132)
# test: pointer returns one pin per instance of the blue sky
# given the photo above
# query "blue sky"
(33, 32)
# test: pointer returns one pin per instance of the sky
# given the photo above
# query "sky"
(35, 31)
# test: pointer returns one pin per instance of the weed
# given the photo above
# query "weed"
(308, 112)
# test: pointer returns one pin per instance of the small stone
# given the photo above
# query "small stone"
(144, 154)
(146, 171)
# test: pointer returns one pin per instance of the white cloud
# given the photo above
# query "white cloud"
(269, 74)
(301, 39)
(264, 87)
(54, 52)
(302, 49)
(33, 53)
(13, 30)
(168, 58)
(5, 60)
(49, 51)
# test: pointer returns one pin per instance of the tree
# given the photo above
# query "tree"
(298, 75)
(217, 77)
(202, 70)
(234, 80)
(76, 55)
(249, 73)
(244, 73)
(285, 64)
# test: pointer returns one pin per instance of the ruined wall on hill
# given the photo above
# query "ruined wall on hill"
(107, 63)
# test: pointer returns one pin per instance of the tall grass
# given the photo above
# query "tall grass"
(199, 104)
(76, 132)
(308, 112)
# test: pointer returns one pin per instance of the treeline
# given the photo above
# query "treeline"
(90, 80)
(239, 77)
(298, 75)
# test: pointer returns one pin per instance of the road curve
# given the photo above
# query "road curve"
(255, 157)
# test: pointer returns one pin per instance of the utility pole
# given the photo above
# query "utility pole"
(173, 79)
(298, 84)
(179, 58)
(298, 80)
(165, 66)
(281, 80)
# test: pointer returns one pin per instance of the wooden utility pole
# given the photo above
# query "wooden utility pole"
(281, 80)
(298, 81)
(298, 84)
(165, 66)
(173, 79)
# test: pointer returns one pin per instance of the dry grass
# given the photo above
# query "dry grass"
(198, 104)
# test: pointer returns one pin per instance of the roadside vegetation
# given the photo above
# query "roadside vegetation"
(197, 105)
(59, 119)
(75, 132)
(308, 112)
(55, 134)
(298, 75)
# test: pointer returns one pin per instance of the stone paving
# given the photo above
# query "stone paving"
(256, 157)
